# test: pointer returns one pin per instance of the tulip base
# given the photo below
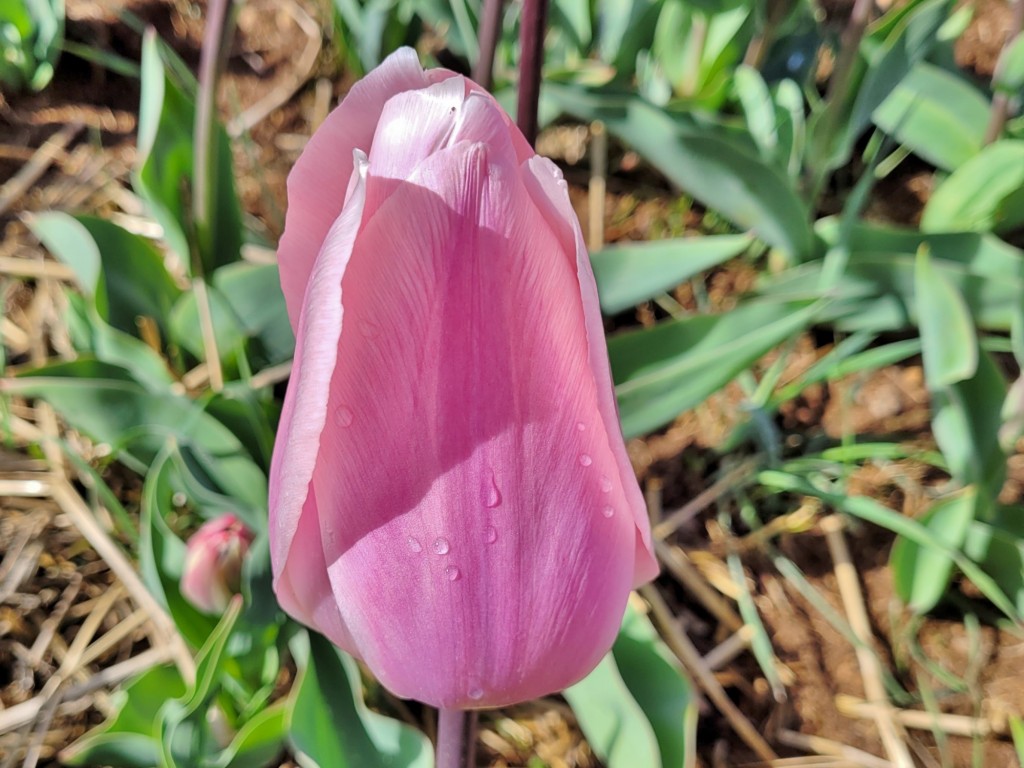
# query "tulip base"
(456, 738)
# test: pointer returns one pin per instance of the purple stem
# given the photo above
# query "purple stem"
(211, 62)
(531, 58)
(490, 27)
(451, 738)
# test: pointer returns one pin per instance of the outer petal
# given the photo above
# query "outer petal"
(300, 572)
(550, 193)
(477, 531)
(316, 185)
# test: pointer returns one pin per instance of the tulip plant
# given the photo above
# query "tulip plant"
(444, 494)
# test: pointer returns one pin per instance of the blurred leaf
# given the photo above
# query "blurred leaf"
(941, 117)
(624, 27)
(630, 273)
(984, 194)
(331, 727)
(966, 418)
(1017, 733)
(163, 173)
(758, 108)
(1009, 74)
(31, 33)
(948, 340)
(704, 161)
(921, 574)
(874, 512)
(663, 371)
(1012, 414)
(659, 685)
(257, 742)
(998, 547)
(227, 328)
(253, 292)
(104, 402)
(127, 738)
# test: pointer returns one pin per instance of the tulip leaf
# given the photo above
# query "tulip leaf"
(637, 707)
(998, 547)
(984, 194)
(253, 292)
(948, 340)
(921, 574)
(258, 741)
(938, 115)
(663, 371)
(709, 162)
(629, 274)
(612, 720)
(330, 726)
(106, 403)
(127, 737)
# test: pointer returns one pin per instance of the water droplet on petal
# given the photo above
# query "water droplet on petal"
(414, 544)
(608, 511)
(368, 329)
(440, 546)
(585, 459)
(453, 573)
(491, 493)
(476, 693)
(606, 484)
(490, 534)
(343, 416)
(580, 426)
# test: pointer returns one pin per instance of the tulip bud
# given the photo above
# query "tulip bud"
(450, 496)
(213, 563)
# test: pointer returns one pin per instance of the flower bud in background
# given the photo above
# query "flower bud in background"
(450, 496)
(213, 563)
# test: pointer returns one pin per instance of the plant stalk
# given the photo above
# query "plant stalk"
(490, 31)
(219, 28)
(455, 738)
(531, 60)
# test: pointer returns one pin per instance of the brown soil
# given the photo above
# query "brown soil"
(51, 580)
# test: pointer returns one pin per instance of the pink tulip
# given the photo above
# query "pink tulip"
(450, 497)
(213, 563)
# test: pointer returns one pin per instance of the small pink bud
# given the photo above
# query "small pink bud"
(213, 563)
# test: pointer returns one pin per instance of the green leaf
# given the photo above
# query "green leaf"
(1017, 733)
(758, 108)
(127, 738)
(663, 371)
(163, 174)
(921, 574)
(331, 727)
(998, 547)
(227, 328)
(257, 742)
(872, 511)
(629, 274)
(1009, 74)
(940, 116)
(104, 402)
(966, 418)
(948, 340)
(984, 194)
(703, 160)
(660, 686)
(612, 721)
(253, 292)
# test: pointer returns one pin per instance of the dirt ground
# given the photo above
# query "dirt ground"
(57, 595)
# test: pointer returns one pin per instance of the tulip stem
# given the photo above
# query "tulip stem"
(456, 738)
(532, 24)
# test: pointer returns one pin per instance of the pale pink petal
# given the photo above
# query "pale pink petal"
(476, 521)
(302, 587)
(317, 182)
(550, 194)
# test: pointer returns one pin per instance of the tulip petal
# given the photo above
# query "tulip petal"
(296, 551)
(316, 185)
(474, 514)
(550, 193)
